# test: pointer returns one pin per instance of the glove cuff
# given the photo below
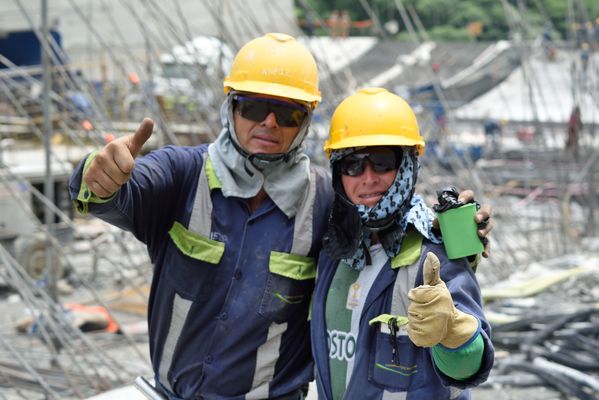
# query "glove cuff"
(463, 328)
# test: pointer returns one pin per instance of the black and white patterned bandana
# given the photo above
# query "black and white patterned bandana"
(399, 201)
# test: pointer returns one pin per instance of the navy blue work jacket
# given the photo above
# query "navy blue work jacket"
(234, 327)
(368, 382)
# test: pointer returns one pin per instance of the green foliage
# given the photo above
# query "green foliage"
(449, 33)
(451, 17)
(465, 12)
(434, 12)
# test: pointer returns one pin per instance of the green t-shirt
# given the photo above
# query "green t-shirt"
(345, 301)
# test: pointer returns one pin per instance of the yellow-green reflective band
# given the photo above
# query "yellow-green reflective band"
(385, 318)
(399, 369)
(410, 250)
(196, 246)
(213, 182)
(85, 195)
(290, 299)
(81, 207)
(474, 263)
(292, 266)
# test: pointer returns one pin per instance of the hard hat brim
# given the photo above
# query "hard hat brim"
(375, 140)
(272, 89)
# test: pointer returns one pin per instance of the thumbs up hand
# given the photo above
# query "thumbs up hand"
(432, 316)
(112, 166)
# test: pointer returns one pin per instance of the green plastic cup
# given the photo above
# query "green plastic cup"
(458, 228)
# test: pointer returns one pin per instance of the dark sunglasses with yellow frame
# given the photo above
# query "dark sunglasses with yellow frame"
(384, 159)
(258, 108)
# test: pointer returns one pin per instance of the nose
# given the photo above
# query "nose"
(271, 120)
(369, 175)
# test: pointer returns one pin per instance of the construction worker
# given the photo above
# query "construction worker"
(392, 316)
(344, 23)
(493, 129)
(233, 230)
(334, 23)
(574, 128)
(585, 54)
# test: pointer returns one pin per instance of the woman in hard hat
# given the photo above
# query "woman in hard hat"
(381, 327)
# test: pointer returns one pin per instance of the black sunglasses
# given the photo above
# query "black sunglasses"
(384, 161)
(257, 109)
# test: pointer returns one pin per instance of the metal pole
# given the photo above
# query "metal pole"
(49, 181)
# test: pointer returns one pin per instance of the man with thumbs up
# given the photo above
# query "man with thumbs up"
(392, 316)
(232, 228)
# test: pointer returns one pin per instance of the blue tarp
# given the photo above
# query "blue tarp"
(23, 48)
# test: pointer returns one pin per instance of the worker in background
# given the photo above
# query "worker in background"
(574, 128)
(585, 54)
(344, 23)
(493, 129)
(596, 34)
(334, 23)
(440, 115)
(581, 33)
(548, 44)
(233, 229)
(392, 316)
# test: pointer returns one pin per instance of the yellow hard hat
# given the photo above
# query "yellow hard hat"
(278, 65)
(373, 117)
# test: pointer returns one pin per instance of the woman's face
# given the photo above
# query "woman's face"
(368, 174)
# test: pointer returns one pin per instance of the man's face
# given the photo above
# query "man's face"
(271, 134)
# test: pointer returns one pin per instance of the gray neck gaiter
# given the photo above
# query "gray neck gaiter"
(285, 180)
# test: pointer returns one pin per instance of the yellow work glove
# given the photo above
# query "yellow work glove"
(432, 317)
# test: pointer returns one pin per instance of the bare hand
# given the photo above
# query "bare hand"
(483, 219)
(112, 166)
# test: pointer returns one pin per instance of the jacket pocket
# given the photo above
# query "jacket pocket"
(402, 372)
(192, 262)
(288, 288)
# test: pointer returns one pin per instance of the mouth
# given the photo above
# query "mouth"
(369, 196)
(266, 139)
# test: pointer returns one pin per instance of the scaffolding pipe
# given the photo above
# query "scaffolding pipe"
(49, 180)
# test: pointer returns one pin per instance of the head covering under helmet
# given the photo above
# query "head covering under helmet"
(375, 117)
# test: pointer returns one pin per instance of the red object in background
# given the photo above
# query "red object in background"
(109, 137)
(526, 134)
(110, 327)
(133, 78)
(362, 24)
(87, 126)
